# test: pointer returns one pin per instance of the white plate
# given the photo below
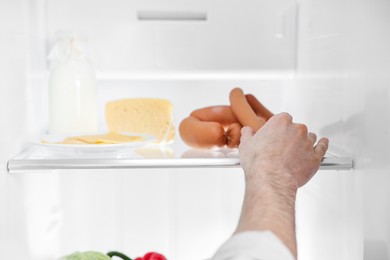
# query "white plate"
(53, 138)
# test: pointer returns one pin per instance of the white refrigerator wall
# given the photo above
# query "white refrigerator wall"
(20, 100)
(346, 44)
(341, 90)
(123, 43)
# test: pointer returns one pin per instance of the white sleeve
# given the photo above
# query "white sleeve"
(253, 245)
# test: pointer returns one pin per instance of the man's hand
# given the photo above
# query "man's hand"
(281, 149)
(277, 159)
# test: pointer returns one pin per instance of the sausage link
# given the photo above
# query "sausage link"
(221, 125)
(258, 108)
(202, 134)
(243, 111)
(211, 126)
(221, 114)
(233, 134)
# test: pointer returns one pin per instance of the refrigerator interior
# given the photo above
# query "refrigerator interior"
(326, 62)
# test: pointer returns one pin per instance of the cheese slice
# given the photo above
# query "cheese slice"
(67, 140)
(109, 138)
(142, 115)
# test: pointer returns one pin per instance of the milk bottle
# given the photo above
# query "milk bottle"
(72, 87)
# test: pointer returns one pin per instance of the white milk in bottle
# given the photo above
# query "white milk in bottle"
(72, 88)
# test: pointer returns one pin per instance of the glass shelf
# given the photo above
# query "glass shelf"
(40, 158)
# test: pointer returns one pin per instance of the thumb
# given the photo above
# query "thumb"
(246, 133)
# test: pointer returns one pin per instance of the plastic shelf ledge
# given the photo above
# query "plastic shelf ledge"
(29, 165)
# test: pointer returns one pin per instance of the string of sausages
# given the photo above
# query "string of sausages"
(221, 125)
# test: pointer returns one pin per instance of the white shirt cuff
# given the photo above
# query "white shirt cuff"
(253, 245)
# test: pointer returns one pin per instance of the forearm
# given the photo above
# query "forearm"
(270, 206)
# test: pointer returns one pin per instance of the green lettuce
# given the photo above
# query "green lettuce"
(90, 255)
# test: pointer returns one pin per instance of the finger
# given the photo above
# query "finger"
(312, 137)
(284, 117)
(246, 132)
(321, 147)
(302, 129)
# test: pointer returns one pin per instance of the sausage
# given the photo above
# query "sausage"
(233, 134)
(197, 133)
(221, 125)
(258, 108)
(211, 126)
(243, 111)
(221, 114)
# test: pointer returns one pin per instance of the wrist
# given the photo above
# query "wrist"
(273, 183)
(270, 205)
